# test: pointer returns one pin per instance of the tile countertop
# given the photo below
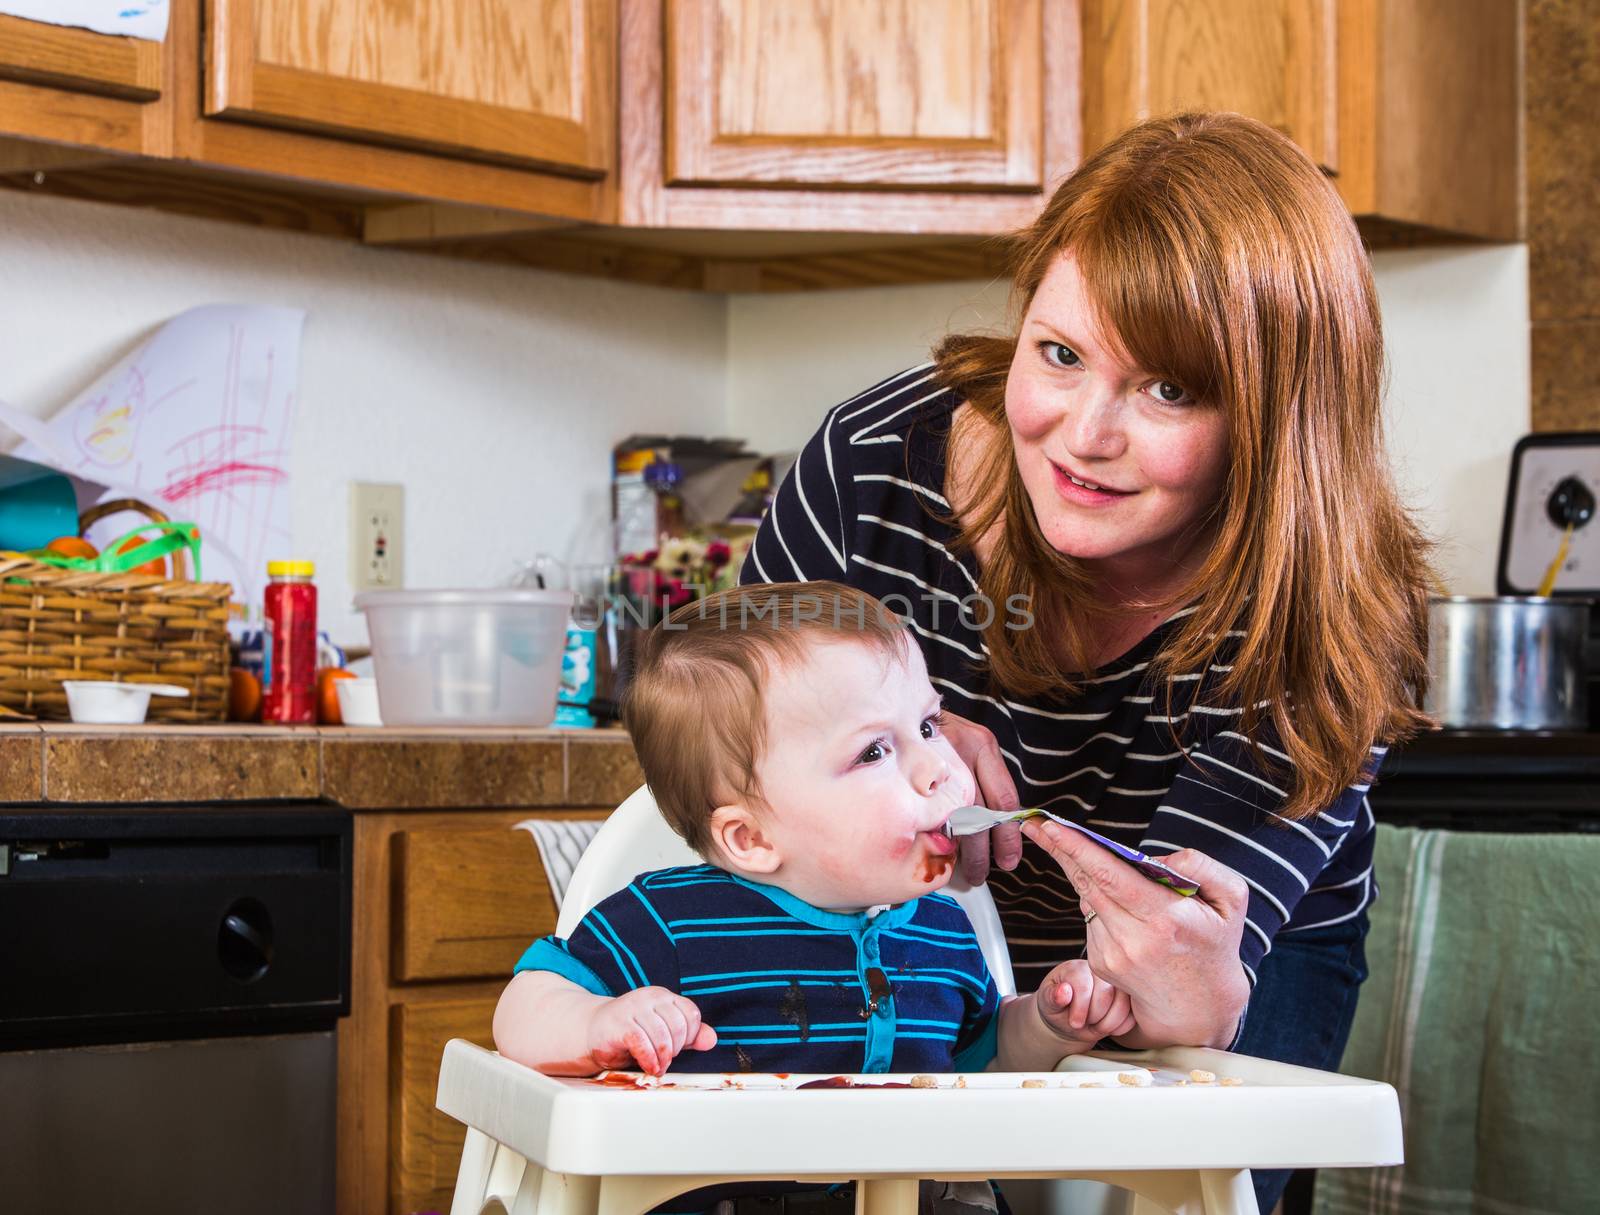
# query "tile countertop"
(403, 768)
(363, 769)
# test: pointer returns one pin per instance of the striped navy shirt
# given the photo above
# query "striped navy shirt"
(787, 986)
(1119, 756)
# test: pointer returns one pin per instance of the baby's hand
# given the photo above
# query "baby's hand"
(650, 1026)
(1082, 1008)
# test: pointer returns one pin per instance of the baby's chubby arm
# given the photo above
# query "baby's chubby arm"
(1072, 1010)
(551, 1024)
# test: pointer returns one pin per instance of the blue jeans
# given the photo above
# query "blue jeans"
(1301, 1010)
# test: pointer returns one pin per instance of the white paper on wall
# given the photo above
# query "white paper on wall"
(196, 422)
(132, 18)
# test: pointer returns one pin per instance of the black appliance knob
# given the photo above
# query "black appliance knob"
(244, 940)
(1571, 503)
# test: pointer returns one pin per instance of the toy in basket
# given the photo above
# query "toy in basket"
(67, 618)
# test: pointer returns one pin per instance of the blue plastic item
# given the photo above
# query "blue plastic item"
(37, 504)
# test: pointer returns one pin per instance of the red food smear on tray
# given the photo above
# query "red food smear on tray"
(622, 1080)
(846, 1082)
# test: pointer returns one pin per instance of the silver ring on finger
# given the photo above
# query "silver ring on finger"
(1088, 916)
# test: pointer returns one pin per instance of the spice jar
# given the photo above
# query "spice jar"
(289, 657)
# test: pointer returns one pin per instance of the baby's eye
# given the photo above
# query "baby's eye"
(930, 727)
(872, 754)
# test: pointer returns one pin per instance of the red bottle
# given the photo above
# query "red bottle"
(289, 657)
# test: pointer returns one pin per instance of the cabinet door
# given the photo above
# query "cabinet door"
(519, 81)
(81, 88)
(80, 60)
(467, 903)
(1275, 60)
(425, 1144)
(919, 94)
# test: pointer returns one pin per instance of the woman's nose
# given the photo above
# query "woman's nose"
(1094, 425)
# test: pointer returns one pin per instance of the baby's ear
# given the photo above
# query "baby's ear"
(745, 847)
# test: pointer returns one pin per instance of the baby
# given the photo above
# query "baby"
(790, 734)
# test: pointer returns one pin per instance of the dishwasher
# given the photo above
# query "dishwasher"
(170, 986)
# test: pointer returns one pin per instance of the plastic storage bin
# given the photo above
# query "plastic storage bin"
(467, 658)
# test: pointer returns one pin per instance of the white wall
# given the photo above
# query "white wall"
(493, 394)
(793, 356)
(1456, 325)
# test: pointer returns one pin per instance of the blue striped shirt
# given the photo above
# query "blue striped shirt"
(1119, 756)
(787, 986)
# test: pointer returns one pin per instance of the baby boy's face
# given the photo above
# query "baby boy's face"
(859, 778)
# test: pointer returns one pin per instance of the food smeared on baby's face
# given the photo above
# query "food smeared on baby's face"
(938, 859)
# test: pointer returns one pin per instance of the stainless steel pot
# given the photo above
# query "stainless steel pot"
(1508, 662)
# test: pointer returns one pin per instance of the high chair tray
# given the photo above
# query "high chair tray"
(1092, 1073)
(1268, 1115)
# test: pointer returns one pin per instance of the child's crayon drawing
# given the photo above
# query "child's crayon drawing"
(197, 421)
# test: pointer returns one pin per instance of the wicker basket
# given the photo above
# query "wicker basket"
(58, 624)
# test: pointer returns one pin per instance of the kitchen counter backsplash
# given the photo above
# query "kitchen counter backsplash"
(363, 769)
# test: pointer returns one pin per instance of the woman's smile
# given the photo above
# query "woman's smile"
(1086, 492)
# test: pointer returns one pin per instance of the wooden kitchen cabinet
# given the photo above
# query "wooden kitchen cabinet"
(492, 104)
(747, 145)
(888, 94)
(323, 115)
(1275, 60)
(427, 1141)
(499, 80)
(1411, 106)
(87, 93)
(747, 122)
(466, 903)
(889, 116)
(445, 902)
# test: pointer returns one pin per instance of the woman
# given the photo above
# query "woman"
(1154, 558)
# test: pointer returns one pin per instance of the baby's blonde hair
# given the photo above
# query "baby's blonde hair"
(695, 706)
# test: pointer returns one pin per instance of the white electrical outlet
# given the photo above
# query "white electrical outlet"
(377, 534)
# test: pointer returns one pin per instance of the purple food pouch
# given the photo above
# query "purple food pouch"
(1147, 865)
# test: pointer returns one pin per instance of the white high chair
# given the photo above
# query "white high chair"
(543, 1145)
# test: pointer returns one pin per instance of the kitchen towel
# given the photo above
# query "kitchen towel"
(561, 842)
(1480, 1010)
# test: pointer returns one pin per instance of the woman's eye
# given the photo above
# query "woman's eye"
(1168, 393)
(1058, 355)
(930, 727)
(871, 755)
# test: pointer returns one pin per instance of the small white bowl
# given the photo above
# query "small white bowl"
(102, 702)
(358, 702)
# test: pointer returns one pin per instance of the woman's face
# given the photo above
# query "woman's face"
(1121, 466)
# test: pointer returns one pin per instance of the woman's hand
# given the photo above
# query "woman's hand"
(996, 790)
(1176, 957)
